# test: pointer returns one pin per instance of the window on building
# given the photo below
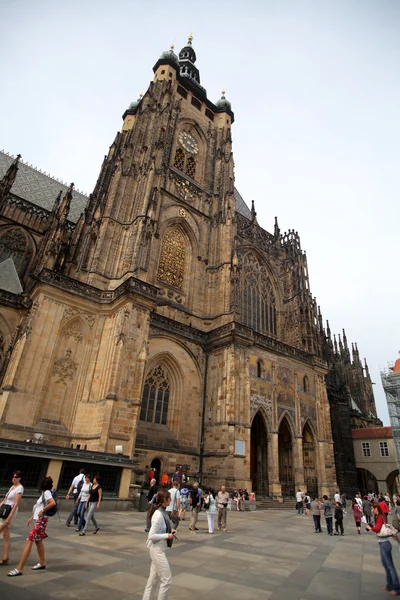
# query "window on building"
(155, 397)
(306, 385)
(171, 268)
(191, 167)
(14, 244)
(259, 369)
(366, 449)
(179, 162)
(258, 309)
(384, 448)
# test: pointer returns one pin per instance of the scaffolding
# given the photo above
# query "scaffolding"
(391, 385)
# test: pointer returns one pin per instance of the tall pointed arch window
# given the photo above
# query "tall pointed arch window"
(14, 244)
(191, 167)
(171, 268)
(155, 396)
(258, 304)
(185, 163)
(179, 162)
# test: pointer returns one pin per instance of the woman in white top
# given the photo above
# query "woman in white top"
(210, 505)
(82, 501)
(13, 498)
(160, 531)
(38, 532)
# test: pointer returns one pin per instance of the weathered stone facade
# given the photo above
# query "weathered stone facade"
(166, 320)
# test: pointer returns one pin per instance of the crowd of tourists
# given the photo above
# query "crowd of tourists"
(171, 504)
(371, 510)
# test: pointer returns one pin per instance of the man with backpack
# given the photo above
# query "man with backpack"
(75, 488)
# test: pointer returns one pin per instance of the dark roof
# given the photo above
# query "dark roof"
(42, 189)
(9, 279)
(241, 206)
(39, 188)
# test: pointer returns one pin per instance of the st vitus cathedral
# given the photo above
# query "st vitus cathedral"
(158, 319)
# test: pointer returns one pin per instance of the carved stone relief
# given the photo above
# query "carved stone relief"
(65, 367)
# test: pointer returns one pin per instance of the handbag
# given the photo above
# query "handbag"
(387, 530)
(174, 516)
(5, 509)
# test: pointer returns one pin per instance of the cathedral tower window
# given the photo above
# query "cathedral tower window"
(259, 369)
(191, 167)
(179, 162)
(155, 396)
(258, 309)
(14, 244)
(306, 385)
(171, 268)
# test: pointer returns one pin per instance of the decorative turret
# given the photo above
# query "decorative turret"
(224, 106)
(8, 180)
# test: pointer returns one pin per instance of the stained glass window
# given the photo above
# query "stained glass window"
(14, 244)
(171, 268)
(258, 310)
(155, 397)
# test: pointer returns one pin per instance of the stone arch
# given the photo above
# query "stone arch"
(5, 341)
(262, 410)
(18, 244)
(286, 415)
(193, 128)
(259, 446)
(393, 482)
(185, 400)
(286, 438)
(310, 458)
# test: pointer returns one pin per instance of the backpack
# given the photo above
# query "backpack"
(80, 484)
(54, 509)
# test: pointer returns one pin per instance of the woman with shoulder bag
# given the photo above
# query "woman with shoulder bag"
(161, 536)
(9, 507)
(210, 504)
(38, 532)
(93, 504)
(82, 502)
(392, 581)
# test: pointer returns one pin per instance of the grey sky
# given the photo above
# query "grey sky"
(316, 95)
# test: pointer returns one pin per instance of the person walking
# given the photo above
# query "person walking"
(161, 536)
(151, 498)
(82, 500)
(222, 501)
(385, 547)
(210, 504)
(366, 509)
(326, 505)
(299, 501)
(357, 514)
(316, 514)
(164, 480)
(343, 500)
(93, 504)
(75, 488)
(336, 497)
(174, 507)
(12, 499)
(339, 519)
(307, 503)
(38, 532)
(184, 502)
(195, 506)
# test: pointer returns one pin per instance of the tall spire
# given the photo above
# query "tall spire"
(188, 70)
(8, 180)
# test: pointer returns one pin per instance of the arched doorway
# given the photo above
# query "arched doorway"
(393, 482)
(309, 462)
(285, 459)
(366, 481)
(156, 466)
(259, 456)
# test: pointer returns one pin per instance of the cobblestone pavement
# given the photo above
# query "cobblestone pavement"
(266, 554)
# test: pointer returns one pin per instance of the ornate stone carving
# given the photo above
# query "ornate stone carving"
(171, 267)
(65, 367)
(70, 312)
(73, 330)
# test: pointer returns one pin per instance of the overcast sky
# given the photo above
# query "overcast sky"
(316, 93)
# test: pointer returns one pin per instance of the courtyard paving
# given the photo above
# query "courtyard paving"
(265, 554)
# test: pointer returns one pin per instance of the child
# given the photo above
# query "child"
(38, 532)
(339, 519)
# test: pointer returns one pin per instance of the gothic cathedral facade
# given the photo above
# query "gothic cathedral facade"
(166, 320)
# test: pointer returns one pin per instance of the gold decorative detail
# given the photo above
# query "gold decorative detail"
(191, 167)
(179, 162)
(171, 268)
(188, 142)
(223, 92)
(172, 47)
(182, 213)
(190, 38)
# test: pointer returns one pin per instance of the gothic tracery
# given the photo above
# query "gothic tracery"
(171, 268)
(258, 305)
(155, 396)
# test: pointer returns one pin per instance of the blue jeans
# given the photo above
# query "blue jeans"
(81, 514)
(300, 507)
(329, 525)
(392, 580)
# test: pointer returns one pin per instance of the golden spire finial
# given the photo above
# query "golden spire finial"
(140, 95)
(172, 47)
(190, 38)
(223, 92)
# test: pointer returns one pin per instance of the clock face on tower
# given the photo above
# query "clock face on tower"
(188, 142)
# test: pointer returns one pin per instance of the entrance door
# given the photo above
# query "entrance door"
(259, 456)
(156, 466)
(286, 459)
(309, 462)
